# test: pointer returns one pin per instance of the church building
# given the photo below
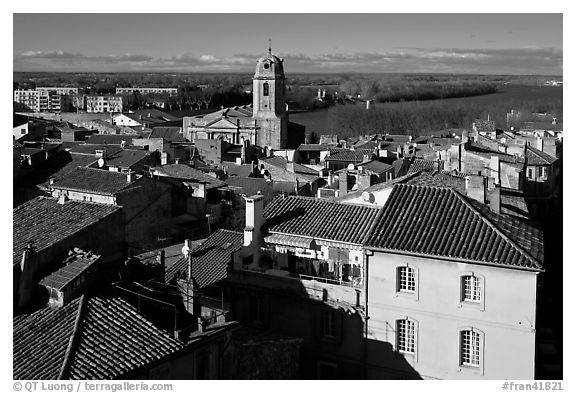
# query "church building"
(264, 123)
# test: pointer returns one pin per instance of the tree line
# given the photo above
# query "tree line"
(428, 117)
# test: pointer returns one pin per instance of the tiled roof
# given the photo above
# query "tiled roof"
(154, 114)
(243, 170)
(57, 167)
(126, 158)
(376, 166)
(313, 147)
(211, 260)
(91, 149)
(110, 139)
(72, 161)
(41, 340)
(16, 144)
(185, 172)
(440, 222)
(172, 134)
(319, 218)
(64, 276)
(97, 181)
(537, 157)
(478, 148)
(423, 165)
(282, 163)
(44, 222)
(368, 145)
(89, 338)
(249, 185)
(437, 179)
(356, 156)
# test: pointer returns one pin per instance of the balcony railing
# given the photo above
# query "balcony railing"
(356, 282)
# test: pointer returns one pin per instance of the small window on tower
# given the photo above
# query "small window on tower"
(266, 66)
(266, 89)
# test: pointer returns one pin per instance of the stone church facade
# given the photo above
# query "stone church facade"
(264, 123)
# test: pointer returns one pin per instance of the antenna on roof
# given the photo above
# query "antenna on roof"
(269, 46)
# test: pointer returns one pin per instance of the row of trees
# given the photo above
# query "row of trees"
(424, 118)
(382, 91)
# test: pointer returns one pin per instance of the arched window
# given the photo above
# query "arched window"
(266, 88)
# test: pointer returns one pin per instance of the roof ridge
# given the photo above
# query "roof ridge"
(495, 227)
(73, 338)
(540, 153)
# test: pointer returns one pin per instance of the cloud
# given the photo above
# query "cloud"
(423, 60)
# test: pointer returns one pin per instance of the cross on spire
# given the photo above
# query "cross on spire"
(269, 46)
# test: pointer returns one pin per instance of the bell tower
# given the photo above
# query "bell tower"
(269, 102)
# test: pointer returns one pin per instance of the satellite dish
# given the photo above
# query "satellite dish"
(368, 197)
(101, 162)
(350, 167)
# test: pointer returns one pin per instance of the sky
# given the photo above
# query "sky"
(314, 43)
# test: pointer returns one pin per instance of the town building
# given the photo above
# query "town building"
(447, 280)
(40, 100)
(60, 90)
(171, 91)
(148, 118)
(105, 103)
(264, 123)
(146, 203)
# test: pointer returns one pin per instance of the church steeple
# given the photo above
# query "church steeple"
(269, 101)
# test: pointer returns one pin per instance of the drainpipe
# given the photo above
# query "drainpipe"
(367, 253)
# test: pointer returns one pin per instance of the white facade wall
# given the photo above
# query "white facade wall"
(123, 120)
(85, 196)
(506, 317)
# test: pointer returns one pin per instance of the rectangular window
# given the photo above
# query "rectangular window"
(328, 323)
(405, 335)
(530, 174)
(406, 279)
(469, 348)
(470, 289)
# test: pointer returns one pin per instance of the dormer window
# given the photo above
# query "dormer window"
(266, 91)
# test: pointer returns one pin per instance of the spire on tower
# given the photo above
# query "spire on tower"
(269, 46)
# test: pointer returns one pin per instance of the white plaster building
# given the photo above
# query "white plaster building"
(451, 288)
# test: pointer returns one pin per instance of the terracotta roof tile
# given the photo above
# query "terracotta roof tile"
(97, 181)
(537, 157)
(45, 222)
(211, 260)
(441, 222)
(185, 172)
(89, 338)
(356, 156)
(319, 218)
(172, 134)
(110, 139)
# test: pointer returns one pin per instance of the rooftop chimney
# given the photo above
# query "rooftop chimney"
(25, 288)
(343, 183)
(130, 176)
(161, 258)
(475, 188)
(494, 199)
(254, 219)
(62, 199)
